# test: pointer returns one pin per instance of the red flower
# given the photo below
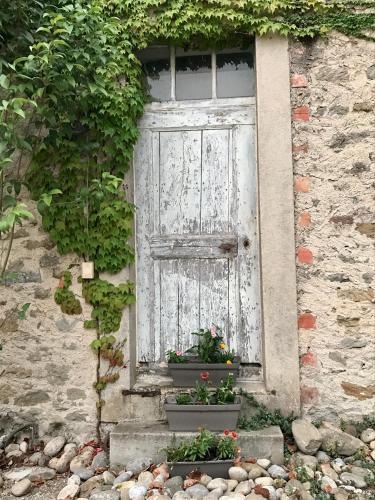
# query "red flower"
(234, 435)
(226, 432)
(204, 375)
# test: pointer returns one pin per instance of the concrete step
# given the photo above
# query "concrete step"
(135, 440)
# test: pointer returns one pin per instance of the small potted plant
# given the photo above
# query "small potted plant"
(208, 453)
(209, 354)
(204, 407)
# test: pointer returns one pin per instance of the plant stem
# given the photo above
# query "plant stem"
(8, 251)
(99, 402)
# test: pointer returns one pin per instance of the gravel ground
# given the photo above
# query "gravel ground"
(47, 491)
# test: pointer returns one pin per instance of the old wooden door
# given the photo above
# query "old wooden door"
(196, 219)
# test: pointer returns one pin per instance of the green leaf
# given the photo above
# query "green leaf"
(22, 312)
(4, 81)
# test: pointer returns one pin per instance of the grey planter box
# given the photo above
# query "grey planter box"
(186, 374)
(214, 468)
(210, 417)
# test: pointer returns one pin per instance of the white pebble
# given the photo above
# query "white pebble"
(264, 462)
(264, 481)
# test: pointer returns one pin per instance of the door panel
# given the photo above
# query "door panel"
(196, 228)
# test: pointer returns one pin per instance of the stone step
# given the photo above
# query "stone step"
(135, 440)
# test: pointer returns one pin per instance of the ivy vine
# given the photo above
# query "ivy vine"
(65, 298)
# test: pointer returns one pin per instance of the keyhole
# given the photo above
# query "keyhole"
(246, 243)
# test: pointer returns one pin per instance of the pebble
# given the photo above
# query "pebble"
(338, 464)
(237, 473)
(137, 491)
(108, 477)
(368, 435)
(264, 462)
(82, 460)
(353, 479)
(91, 484)
(231, 484)
(197, 491)
(14, 454)
(215, 494)
(68, 492)
(18, 474)
(327, 481)
(328, 471)
(42, 474)
(181, 495)
(105, 495)
(323, 457)
(54, 446)
(12, 447)
(244, 488)
(35, 457)
(205, 479)
(62, 464)
(100, 461)
(264, 481)
(277, 471)
(272, 492)
(233, 496)
(74, 479)
(372, 445)
(24, 446)
(124, 476)
(217, 483)
(171, 486)
(84, 473)
(21, 488)
(137, 466)
(256, 471)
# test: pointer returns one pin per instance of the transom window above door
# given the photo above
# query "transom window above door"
(176, 74)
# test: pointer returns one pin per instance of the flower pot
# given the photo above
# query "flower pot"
(210, 417)
(214, 468)
(186, 374)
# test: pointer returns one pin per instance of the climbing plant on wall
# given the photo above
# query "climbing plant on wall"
(74, 62)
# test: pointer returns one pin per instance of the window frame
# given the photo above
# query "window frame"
(172, 71)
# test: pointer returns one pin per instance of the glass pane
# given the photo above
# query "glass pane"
(157, 70)
(235, 74)
(193, 75)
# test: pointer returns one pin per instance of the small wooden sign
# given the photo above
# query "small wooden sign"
(87, 270)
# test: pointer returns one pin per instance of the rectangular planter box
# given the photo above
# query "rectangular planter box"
(215, 468)
(186, 374)
(210, 417)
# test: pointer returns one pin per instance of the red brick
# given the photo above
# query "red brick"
(307, 321)
(301, 113)
(300, 148)
(309, 394)
(298, 81)
(304, 219)
(302, 184)
(308, 359)
(305, 256)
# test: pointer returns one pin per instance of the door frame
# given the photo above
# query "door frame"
(280, 387)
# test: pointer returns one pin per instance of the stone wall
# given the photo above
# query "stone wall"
(333, 97)
(46, 366)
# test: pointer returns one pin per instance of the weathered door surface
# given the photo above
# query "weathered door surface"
(196, 226)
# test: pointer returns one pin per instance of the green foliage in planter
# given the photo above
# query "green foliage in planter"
(204, 394)
(205, 446)
(211, 347)
(65, 298)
